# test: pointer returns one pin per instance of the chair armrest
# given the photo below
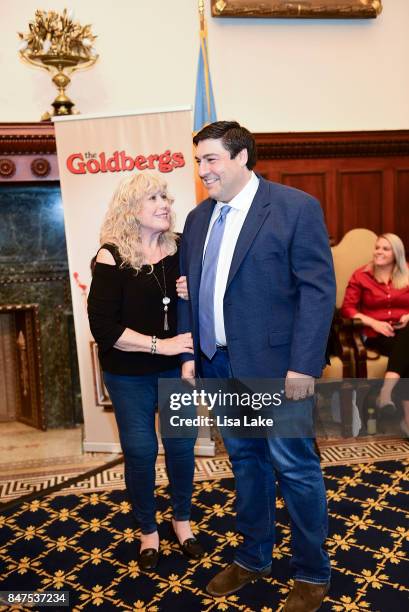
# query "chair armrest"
(359, 348)
(341, 344)
(361, 353)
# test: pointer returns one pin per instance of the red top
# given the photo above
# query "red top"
(378, 300)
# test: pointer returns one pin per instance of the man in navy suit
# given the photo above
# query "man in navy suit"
(261, 300)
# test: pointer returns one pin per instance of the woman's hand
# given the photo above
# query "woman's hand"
(182, 343)
(383, 328)
(181, 288)
(403, 321)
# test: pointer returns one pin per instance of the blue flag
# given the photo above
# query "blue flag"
(205, 110)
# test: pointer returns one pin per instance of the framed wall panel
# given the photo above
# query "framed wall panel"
(312, 182)
(402, 203)
(359, 200)
(360, 178)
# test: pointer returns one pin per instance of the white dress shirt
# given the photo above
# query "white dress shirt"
(240, 206)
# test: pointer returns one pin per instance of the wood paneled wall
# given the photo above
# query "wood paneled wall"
(360, 178)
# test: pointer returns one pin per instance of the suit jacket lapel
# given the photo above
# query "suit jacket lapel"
(196, 257)
(257, 214)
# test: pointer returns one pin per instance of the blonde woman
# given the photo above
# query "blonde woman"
(378, 294)
(132, 315)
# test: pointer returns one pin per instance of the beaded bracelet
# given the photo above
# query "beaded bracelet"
(153, 345)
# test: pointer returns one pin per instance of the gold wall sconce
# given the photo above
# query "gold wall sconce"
(60, 45)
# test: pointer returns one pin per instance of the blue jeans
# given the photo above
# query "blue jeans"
(135, 399)
(257, 463)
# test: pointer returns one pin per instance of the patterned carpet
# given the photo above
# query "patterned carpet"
(86, 543)
(20, 478)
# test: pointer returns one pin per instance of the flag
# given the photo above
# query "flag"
(205, 109)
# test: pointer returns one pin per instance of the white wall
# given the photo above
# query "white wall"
(271, 75)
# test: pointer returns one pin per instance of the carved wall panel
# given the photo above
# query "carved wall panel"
(360, 178)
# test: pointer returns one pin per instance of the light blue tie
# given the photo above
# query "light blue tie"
(207, 285)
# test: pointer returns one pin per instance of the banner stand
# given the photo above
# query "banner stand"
(94, 154)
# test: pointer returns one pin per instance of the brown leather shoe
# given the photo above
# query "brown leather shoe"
(305, 597)
(232, 578)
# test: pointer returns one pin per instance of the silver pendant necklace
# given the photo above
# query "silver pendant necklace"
(165, 299)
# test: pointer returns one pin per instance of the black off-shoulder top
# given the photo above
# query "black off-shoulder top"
(119, 298)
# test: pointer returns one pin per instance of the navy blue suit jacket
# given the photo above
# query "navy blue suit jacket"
(280, 295)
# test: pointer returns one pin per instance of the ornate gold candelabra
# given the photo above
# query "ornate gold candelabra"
(61, 46)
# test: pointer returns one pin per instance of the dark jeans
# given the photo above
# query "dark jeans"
(257, 463)
(135, 399)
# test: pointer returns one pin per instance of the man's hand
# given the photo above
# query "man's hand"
(298, 386)
(188, 372)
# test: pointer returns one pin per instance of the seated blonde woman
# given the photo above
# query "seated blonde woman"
(378, 295)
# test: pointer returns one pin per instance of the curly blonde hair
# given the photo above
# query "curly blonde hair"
(121, 226)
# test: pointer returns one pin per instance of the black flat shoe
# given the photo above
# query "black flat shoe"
(387, 410)
(192, 548)
(148, 559)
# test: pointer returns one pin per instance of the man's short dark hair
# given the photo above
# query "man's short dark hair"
(234, 137)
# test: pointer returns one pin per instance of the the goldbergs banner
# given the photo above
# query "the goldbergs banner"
(94, 155)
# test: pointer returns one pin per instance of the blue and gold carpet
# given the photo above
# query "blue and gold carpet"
(86, 543)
